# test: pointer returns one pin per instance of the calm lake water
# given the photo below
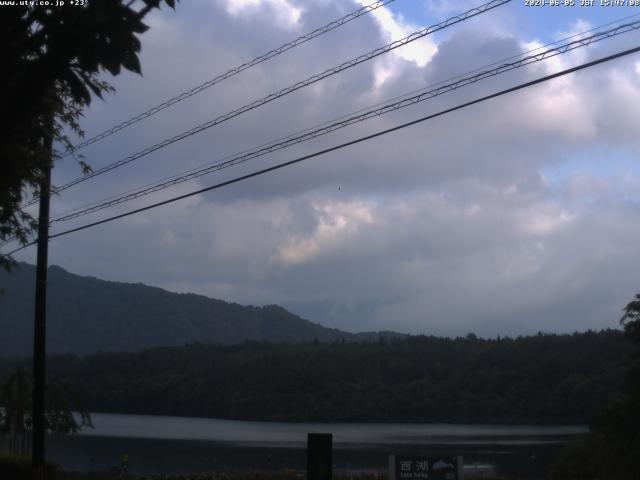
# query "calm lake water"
(186, 445)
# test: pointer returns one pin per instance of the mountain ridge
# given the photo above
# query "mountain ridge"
(88, 315)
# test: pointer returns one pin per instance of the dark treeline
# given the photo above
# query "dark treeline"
(537, 379)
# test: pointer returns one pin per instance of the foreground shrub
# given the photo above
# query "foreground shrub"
(18, 467)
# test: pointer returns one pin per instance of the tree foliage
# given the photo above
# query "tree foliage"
(50, 66)
(612, 449)
(631, 320)
(16, 414)
(538, 379)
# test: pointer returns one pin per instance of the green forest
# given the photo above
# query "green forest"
(538, 379)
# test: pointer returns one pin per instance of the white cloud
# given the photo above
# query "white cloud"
(445, 227)
(395, 27)
(337, 224)
(546, 221)
(286, 13)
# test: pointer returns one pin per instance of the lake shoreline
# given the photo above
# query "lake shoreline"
(187, 445)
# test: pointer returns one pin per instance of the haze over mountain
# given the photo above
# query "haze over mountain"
(87, 315)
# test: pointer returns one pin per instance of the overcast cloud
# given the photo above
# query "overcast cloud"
(516, 215)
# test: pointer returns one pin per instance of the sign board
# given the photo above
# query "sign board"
(418, 467)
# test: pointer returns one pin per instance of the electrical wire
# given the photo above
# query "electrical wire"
(357, 118)
(290, 89)
(323, 124)
(343, 145)
(232, 72)
(208, 168)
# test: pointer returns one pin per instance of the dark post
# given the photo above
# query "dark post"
(319, 456)
(39, 331)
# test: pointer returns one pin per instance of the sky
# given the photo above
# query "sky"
(517, 215)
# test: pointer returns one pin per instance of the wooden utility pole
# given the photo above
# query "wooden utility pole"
(39, 330)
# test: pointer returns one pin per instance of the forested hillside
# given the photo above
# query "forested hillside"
(88, 315)
(539, 379)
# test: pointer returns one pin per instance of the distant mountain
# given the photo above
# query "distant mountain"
(87, 315)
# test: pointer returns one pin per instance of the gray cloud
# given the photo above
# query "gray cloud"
(447, 227)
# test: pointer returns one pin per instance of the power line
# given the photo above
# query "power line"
(357, 118)
(323, 124)
(230, 73)
(200, 171)
(290, 89)
(327, 126)
(343, 145)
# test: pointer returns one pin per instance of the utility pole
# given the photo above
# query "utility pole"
(40, 330)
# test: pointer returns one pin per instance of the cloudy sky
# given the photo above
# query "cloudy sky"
(512, 216)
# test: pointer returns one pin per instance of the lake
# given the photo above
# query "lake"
(157, 444)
